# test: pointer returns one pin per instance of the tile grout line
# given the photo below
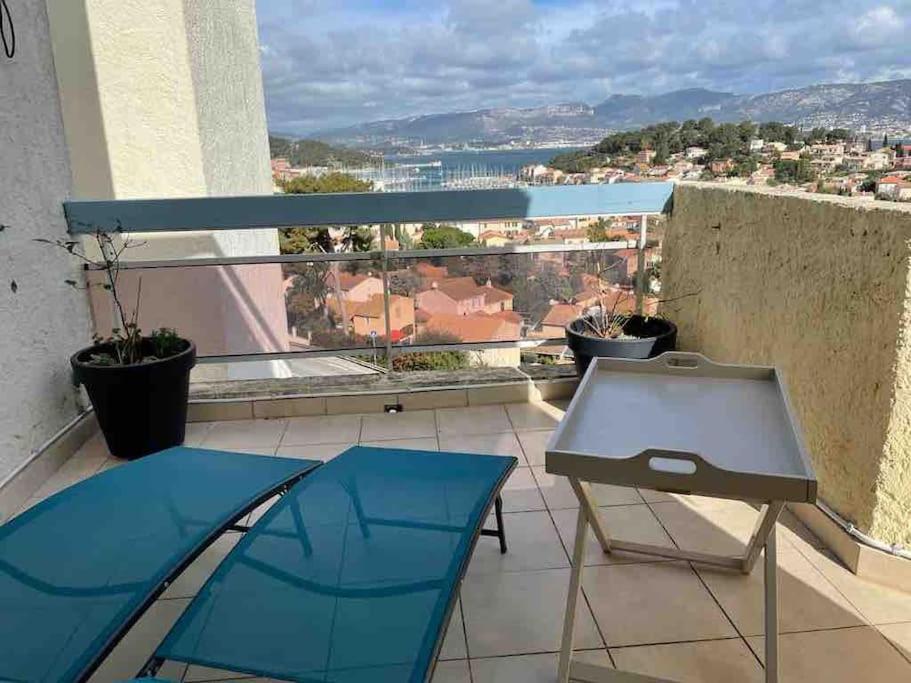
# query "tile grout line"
(569, 559)
(464, 634)
(707, 589)
(436, 429)
(832, 583)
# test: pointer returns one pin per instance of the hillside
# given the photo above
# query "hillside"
(880, 106)
(316, 153)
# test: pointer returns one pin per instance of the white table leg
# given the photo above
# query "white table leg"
(575, 584)
(766, 521)
(583, 492)
(771, 608)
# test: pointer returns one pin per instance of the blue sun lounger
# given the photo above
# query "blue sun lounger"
(351, 577)
(79, 568)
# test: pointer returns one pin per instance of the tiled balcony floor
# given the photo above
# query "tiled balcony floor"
(663, 618)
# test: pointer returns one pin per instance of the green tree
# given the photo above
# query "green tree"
(329, 182)
(303, 240)
(443, 237)
(789, 171)
(404, 282)
(597, 231)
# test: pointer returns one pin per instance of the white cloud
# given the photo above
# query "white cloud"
(330, 63)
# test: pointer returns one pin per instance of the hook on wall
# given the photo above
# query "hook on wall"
(7, 30)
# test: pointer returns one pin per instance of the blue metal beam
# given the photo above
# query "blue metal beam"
(238, 213)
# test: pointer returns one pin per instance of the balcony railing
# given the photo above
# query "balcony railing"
(324, 210)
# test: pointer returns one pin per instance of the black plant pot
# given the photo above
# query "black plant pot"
(141, 408)
(652, 337)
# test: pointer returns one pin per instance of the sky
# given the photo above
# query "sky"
(333, 63)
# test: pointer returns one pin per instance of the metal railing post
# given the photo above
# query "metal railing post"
(640, 265)
(385, 270)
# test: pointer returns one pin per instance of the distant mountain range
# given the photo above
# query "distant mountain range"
(878, 106)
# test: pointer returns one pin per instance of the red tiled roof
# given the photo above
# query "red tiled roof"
(429, 271)
(493, 295)
(562, 314)
(348, 281)
(508, 316)
(460, 289)
(471, 328)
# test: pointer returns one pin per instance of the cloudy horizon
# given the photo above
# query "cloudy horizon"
(329, 64)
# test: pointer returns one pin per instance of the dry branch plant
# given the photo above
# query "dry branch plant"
(611, 318)
(126, 345)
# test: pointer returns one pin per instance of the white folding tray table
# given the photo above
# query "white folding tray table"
(683, 424)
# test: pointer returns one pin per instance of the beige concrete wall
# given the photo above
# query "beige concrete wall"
(165, 100)
(819, 287)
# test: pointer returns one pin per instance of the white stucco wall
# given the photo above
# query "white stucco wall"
(45, 321)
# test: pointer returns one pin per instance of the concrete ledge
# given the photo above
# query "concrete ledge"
(373, 397)
(866, 562)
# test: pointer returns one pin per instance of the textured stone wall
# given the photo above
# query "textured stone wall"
(819, 287)
(42, 321)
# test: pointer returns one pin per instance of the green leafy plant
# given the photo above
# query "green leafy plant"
(125, 345)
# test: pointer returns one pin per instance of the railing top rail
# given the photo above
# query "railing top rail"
(368, 208)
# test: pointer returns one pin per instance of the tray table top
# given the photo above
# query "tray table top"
(680, 422)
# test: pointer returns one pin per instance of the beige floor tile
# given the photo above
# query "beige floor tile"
(424, 444)
(452, 672)
(540, 668)
(708, 525)
(196, 433)
(536, 415)
(559, 495)
(846, 655)
(239, 434)
(532, 543)
(900, 636)
(318, 451)
(408, 425)
(258, 512)
(627, 522)
(249, 450)
(520, 492)
(702, 662)
(474, 420)
(84, 463)
(650, 496)
(322, 429)
(110, 464)
(533, 445)
(504, 443)
(193, 577)
(201, 674)
(512, 613)
(877, 603)
(660, 602)
(454, 642)
(807, 600)
(140, 642)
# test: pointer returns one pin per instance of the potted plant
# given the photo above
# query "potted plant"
(138, 385)
(610, 330)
